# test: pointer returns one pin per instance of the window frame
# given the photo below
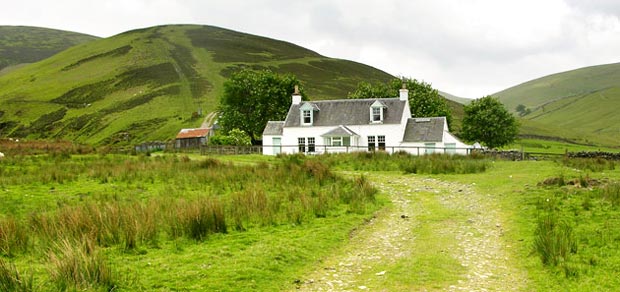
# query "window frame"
(301, 144)
(306, 117)
(381, 142)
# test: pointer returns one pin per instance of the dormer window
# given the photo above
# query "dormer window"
(307, 117)
(306, 113)
(376, 112)
(377, 115)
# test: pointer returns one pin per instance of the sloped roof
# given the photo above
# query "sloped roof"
(339, 132)
(424, 129)
(273, 128)
(347, 112)
(192, 133)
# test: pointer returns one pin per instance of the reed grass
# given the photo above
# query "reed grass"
(12, 280)
(78, 265)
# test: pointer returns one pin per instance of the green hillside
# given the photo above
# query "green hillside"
(24, 44)
(579, 105)
(147, 84)
(458, 99)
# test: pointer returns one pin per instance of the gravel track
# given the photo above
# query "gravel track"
(390, 236)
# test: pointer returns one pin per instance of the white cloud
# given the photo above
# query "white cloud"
(464, 47)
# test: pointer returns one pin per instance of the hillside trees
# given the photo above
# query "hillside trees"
(487, 121)
(424, 100)
(251, 98)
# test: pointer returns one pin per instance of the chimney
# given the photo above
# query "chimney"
(404, 93)
(296, 96)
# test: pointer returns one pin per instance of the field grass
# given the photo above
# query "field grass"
(554, 147)
(100, 222)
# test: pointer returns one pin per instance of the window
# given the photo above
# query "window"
(376, 114)
(336, 141)
(429, 148)
(302, 144)
(381, 140)
(311, 147)
(451, 148)
(307, 117)
(371, 143)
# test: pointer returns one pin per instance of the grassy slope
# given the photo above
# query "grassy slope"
(558, 104)
(146, 84)
(24, 44)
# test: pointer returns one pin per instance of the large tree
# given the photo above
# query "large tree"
(251, 98)
(487, 121)
(424, 100)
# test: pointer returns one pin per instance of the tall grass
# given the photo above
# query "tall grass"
(12, 280)
(611, 193)
(402, 161)
(589, 164)
(554, 241)
(14, 236)
(77, 265)
(195, 199)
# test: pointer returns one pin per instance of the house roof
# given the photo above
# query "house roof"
(192, 133)
(339, 132)
(273, 128)
(424, 129)
(347, 112)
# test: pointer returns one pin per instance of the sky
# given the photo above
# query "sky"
(469, 48)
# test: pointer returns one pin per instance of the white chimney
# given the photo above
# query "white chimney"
(296, 96)
(404, 93)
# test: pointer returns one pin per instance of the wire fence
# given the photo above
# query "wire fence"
(323, 149)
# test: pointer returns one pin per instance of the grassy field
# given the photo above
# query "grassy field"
(173, 222)
(170, 222)
(554, 147)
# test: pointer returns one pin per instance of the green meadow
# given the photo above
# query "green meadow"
(169, 222)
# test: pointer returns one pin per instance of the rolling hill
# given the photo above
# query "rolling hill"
(147, 84)
(579, 105)
(25, 44)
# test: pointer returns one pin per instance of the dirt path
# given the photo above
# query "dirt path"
(209, 120)
(393, 236)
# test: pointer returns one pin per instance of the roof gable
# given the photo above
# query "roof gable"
(348, 112)
(424, 129)
(340, 131)
(273, 128)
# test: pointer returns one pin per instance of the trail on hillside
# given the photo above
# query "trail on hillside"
(391, 236)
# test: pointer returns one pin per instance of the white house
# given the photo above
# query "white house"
(346, 125)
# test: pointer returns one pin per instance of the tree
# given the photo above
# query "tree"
(487, 121)
(522, 110)
(251, 98)
(424, 100)
(235, 137)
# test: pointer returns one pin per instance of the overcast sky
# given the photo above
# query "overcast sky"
(468, 48)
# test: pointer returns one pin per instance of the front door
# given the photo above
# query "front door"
(277, 145)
